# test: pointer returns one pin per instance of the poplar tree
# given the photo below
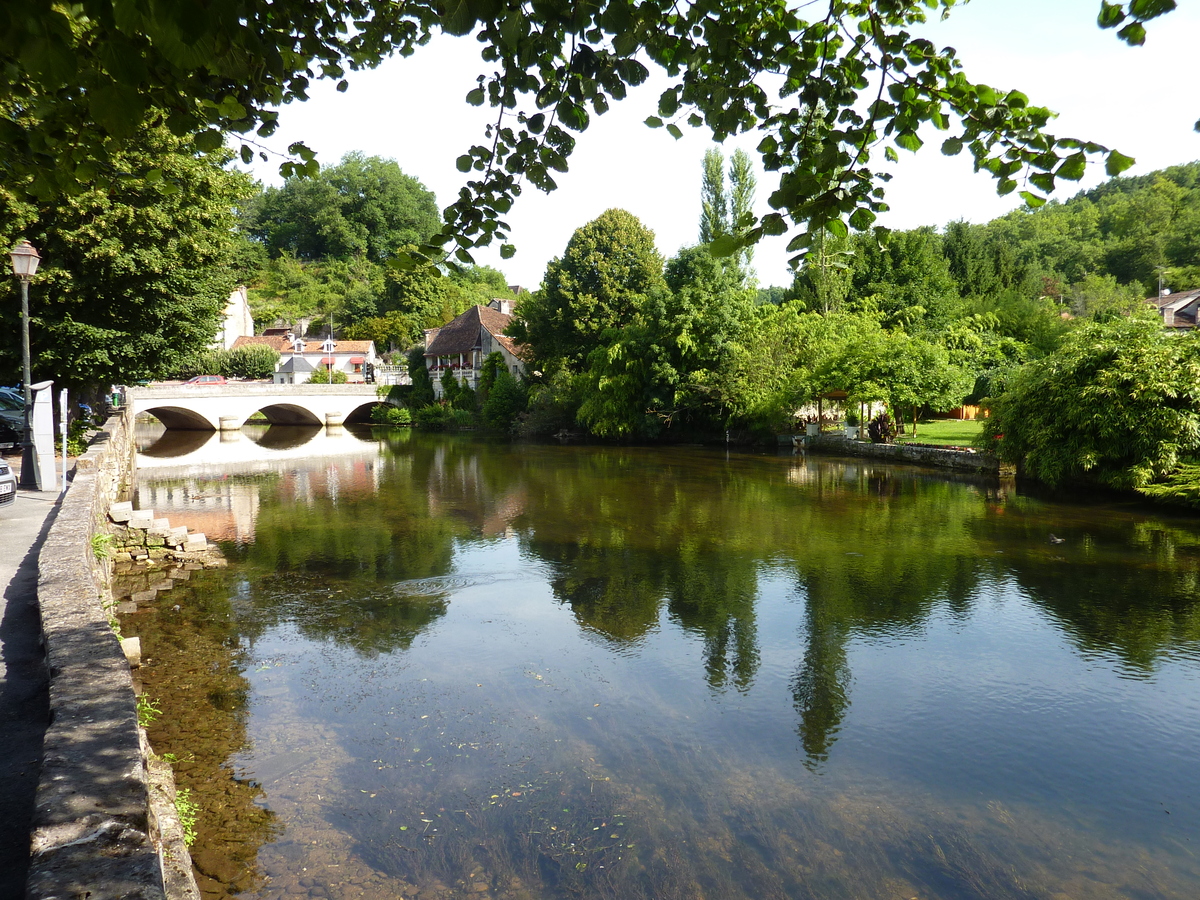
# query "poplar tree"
(714, 207)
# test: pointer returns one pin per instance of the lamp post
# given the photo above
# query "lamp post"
(25, 261)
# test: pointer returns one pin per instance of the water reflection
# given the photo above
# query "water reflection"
(524, 671)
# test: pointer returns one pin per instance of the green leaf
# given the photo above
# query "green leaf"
(1033, 199)
(909, 141)
(208, 141)
(724, 246)
(890, 154)
(1133, 34)
(674, 131)
(1073, 167)
(654, 121)
(507, 251)
(952, 146)
(464, 162)
(1117, 163)
(1111, 15)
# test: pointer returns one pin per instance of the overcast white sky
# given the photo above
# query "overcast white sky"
(1141, 101)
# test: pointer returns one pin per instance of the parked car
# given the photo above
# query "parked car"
(206, 379)
(8, 483)
(12, 420)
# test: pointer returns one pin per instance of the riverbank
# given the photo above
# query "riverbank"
(837, 444)
(104, 822)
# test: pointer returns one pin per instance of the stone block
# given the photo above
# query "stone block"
(159, 528)
(143, 597)
(120, 512)
(158, 552)
(132, 648)
(177, 536)
(155, 541)
(196, 541)
(141, 518)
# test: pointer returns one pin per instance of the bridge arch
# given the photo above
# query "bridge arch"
(289, 414)
(180, 418)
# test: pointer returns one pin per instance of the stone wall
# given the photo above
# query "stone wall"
(101, 817)
(961, 460)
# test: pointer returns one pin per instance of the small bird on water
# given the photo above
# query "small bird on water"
(1055, 539)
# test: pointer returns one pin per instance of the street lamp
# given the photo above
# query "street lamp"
(25, 261)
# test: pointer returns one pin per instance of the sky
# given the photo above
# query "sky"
(1141, 101)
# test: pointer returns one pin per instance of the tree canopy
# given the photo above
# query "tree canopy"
(135, 274)
(609, 265)
(80, 82)
(364, 205)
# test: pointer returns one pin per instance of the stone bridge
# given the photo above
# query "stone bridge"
(226, 407)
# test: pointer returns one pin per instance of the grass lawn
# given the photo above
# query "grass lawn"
(952, 432)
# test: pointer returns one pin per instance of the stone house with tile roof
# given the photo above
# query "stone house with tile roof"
(462, 345)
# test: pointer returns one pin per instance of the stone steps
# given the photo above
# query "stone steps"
(139, 535)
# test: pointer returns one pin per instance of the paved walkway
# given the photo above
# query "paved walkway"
(24, 702)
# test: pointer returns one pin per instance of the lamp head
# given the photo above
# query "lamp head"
(25, 260)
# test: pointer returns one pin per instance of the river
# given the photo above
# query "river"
(443, 667)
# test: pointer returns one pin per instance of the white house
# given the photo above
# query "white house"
(299, 358)
(236, 322)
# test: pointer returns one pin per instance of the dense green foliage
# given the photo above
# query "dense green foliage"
(1119, 402)
(79, 82)
(608, 267)
(364, 206)
(134, 273)
(324, 248)
(256, 361)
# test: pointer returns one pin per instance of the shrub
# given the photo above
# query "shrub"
(505, 401)
(251, 361)
(325, 376)
(422, 384)
(450, 387)
(386, 414)
(463, 418)
(433, 417)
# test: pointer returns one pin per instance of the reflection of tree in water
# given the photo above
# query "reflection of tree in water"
(1116, 584)
(191, 641)
(878, 565)
(379, 621)
(618, 593)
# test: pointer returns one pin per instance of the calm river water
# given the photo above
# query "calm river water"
(442, 667)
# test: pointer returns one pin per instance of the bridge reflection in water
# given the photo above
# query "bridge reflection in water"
(176, 471)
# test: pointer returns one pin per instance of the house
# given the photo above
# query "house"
(236, 322)
(463, 345)
(1178, 309)
(299, 358)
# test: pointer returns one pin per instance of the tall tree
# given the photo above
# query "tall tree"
(714, 205)
(742, 185)
(134, 275)
(608, 268)
(365, 205)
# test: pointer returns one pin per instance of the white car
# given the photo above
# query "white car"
(8, 483)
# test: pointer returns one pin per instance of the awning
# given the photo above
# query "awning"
(328, 361)
(357, 360)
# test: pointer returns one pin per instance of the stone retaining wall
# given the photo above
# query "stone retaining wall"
(104, 820)
(962, 460)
